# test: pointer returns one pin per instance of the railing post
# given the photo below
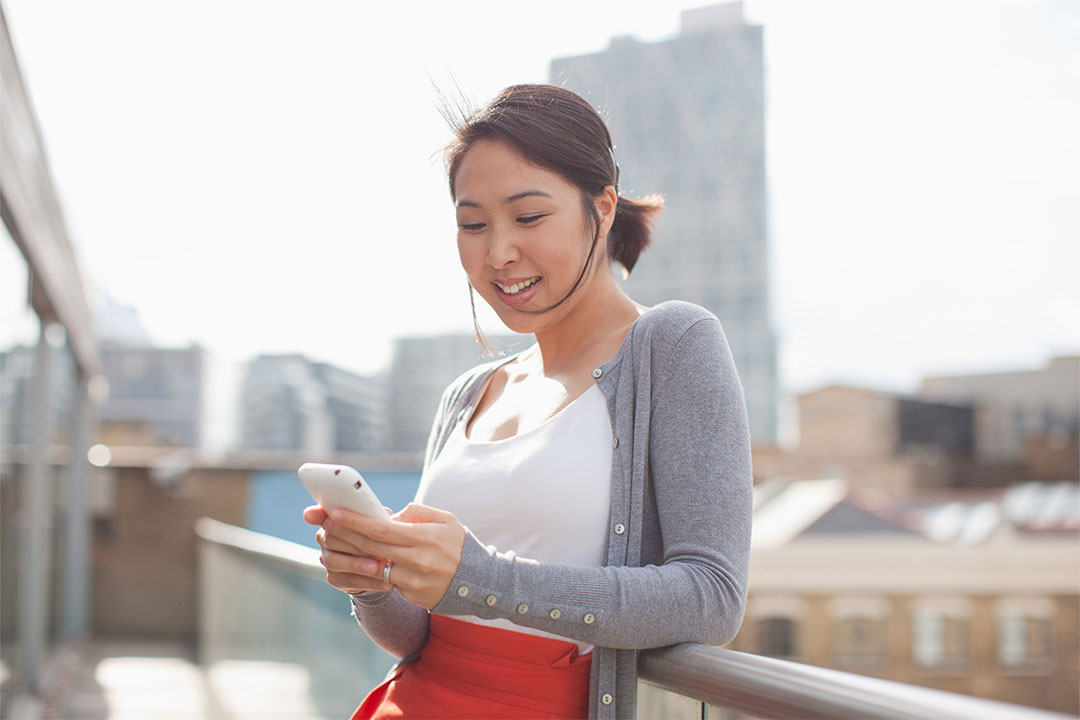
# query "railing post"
(77, 521)
(35, 522)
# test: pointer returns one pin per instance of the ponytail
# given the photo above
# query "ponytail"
(631, 232)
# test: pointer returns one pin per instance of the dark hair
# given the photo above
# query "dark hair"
(558, 130)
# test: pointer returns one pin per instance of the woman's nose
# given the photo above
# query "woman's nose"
(502, 249)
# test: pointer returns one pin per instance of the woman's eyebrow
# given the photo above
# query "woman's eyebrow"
(527, 193)
(507, 201)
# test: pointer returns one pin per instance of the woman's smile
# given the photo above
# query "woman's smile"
(517, 293)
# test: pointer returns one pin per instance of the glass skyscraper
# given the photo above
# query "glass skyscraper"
(688, 119)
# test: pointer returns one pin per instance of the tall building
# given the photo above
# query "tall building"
(688, 119)
(289, 402)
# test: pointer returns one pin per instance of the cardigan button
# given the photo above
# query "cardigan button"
(555, 614)
(620, 529)
(597, 372)
(463, 591)
(522, 608)
(615, 443)
(607, 699)
(589, 618)
(491, 600)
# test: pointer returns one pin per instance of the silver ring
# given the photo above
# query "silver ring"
(386, 572)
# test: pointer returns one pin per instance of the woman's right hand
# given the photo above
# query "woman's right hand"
(347, 568)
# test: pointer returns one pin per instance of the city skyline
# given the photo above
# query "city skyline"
(923, 204)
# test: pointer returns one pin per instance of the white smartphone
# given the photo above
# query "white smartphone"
(340, 486)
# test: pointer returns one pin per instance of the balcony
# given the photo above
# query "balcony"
(275, 640)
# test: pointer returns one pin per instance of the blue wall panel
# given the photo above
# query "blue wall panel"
(276, 500)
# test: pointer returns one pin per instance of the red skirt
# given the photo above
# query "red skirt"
(476, 671)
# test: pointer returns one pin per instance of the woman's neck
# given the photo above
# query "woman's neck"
(585, 333)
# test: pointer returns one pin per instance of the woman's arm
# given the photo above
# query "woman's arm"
(699, 460)
(392, 622)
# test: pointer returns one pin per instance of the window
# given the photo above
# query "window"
(1025, 632)
(776, 637)
(942, 633)
(859, 641)
(776, 624)
(860, 630)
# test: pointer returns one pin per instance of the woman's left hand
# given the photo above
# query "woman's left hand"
(423, 543)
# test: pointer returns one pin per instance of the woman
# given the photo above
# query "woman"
(581, 500)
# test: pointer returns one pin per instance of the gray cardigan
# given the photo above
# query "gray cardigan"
(679, 544)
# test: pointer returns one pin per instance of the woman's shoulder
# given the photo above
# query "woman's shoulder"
(686, 342)
(460, 390)
(664, 325)
(676, 314)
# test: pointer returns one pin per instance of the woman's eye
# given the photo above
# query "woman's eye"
(526, 219)
(471, 226)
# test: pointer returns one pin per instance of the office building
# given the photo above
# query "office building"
(289, 402)
(687, 116)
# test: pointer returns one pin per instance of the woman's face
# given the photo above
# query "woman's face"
(522, 234)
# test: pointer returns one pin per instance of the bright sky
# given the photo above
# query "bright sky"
(263, 176)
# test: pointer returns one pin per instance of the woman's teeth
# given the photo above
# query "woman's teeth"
(517, 287)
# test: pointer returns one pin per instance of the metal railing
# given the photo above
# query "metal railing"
(272, 631)
(764, 687)
(265, 598)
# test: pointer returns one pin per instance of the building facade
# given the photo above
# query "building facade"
(687, 116)
(158, 394)
(289, 402)
(971, 591)
(1022, 412)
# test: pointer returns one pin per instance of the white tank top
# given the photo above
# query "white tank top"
(544, 493)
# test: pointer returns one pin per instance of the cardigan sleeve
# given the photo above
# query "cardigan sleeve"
(699, 462)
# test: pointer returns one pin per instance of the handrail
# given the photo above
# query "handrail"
(763, 687)
(770, 688)
(303, 559)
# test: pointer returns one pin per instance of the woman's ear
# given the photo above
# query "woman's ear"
(606, 204)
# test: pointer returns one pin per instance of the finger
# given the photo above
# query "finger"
(356, 565)
(325, 539)
(356, 544)
(352, 526)
(314, 515)
(355, 583)
(417, 513)
(352, 543)
(330, 541)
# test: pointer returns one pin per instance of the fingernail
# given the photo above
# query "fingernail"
(368, 568)
(328, 524)
(334, 514)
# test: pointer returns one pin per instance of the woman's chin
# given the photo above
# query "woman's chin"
(517, 322)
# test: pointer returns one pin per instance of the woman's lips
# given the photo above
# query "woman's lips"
(521, 297)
